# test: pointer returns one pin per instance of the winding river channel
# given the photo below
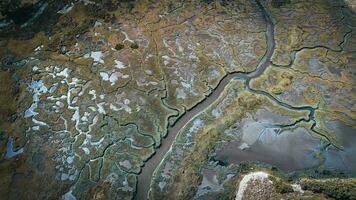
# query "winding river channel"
(145, 177)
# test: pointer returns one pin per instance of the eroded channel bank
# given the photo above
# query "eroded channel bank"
(144, 178)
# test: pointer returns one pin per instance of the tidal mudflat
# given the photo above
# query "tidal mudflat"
(177, 99)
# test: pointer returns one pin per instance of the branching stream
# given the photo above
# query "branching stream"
(145, 177)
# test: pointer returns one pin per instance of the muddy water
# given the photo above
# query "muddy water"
(344, 160)
(144, 178)
(294, 150)
(289, 151)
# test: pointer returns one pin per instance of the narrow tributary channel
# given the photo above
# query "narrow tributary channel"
(145, 177)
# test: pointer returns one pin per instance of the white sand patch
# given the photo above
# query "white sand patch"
(97, 23)
(97, 56)
(161, 185)
(63, 73)
(148, 72)
(197, 124)
(297, 188)
(126, 164)
(113, 107)
(119, 64)
(38, 48)
(38, 89)
(93, 93)
(104, 76)
(101, 109)
(35, 68)
(66, 9)
(180, 93)
(113, 77)
(246, 179)
(244, 146)
(69, 196)
(40, 123)
(86, 150)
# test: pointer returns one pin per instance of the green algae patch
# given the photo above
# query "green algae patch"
(333, 188)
